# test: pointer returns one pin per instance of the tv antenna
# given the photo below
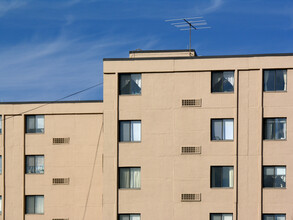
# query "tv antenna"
(185, 24)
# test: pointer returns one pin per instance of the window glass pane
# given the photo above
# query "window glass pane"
(124, 217)
(30, 164)
(134, 217)
(216, 177)
(280, 170)
(135, 177)
(40, 123)
(228, 83)
(280, 217)
(227, 177)
(0, 124)
(124, 177)
(217, 130)
(227, 217)
(269, 128)
(39, 204)
(0, 204)
(0, 164)
(30, 204)
(217, 82)
(135, 83)
(269, 80)
(39, 164)
(124, 130)
(124, 86)
(228, 129)
(30, 123)
(281, 77)
(136, 130)
(216, 217)
(280, 128)
(269, 171)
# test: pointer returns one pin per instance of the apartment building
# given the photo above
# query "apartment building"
(177, 136)
(196, 137)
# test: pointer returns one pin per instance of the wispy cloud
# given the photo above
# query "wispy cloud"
(214, 6)
(6, 6)
(50, 70)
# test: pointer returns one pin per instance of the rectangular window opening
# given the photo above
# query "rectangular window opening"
(222, 177)
(129, 178)
(129, 84)
(223, 81)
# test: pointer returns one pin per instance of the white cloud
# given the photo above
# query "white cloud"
(6, 6)
(215, 5)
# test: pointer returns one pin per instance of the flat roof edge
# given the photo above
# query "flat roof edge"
(199, 57)
(160, 51)
(51, 102)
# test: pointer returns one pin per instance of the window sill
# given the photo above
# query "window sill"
(34, 173)
(222, 140)
(222, 187)
(274, 139)
(274, 188)
(127, 142)
(34, 213)
(129, 94)
(129, 188)
(35, 133)
(277, 91)
(222, 92)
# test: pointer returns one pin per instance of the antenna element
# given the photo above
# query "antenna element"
(192, 23)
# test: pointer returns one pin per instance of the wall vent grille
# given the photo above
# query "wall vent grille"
(191, 197)
(191, 150)
(192, 102)
(61, 140)
(60, 181)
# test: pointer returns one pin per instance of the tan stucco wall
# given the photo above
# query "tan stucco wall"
(80, 160)
(166, 127)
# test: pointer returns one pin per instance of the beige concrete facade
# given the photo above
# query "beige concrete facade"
(80, 160)
(166, 126)
(94, 154)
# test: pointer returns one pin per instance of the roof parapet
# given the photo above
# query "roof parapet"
(161, 53)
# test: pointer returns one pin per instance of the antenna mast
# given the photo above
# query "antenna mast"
(191, 23)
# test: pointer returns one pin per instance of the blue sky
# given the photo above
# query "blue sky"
(52, 48)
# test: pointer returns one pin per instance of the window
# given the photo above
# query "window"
(222, 129)
(274, 129)
(223, 81)
(129, 217)
(130, 131)
(0, 205)
(274, 177)
(129, 178)
(34, 204)
(35, 124)
(220, 216)
(0, 124)
(274, 217)
(275, 80)
(34, 164)
(222, 177)
(0, 164)
(129, 84)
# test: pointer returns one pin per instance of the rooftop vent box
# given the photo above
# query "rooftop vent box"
(138, 53)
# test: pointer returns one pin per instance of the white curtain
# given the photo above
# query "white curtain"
(30, 123)
(285, 79)
(30, 164)
(137, 79)
(0, 124)
(280, 171)
(229, 75)
(228, 129)
(135, 178)
(227, 216)
(39, 204)
(269, 171)
(39, 164)
(40, 121)
(135, 130)
(0, 204)
(231, 176)
(280, 217)
(134, 217)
